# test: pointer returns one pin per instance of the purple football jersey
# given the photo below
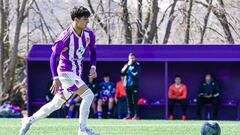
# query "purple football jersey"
(71, 48)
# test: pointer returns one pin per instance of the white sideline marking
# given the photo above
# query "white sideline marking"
(161, 125)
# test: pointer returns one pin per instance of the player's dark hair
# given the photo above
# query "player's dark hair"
(79, 11)
(132, 54)
(106, 75)
(177, 76)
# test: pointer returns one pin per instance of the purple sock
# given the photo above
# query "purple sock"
(99, 115)
(72, 102)
(70, 113)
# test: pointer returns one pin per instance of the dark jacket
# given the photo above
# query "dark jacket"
(212, 88)
(132, 74)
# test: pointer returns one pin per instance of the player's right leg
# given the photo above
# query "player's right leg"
(171, 103)
(99, 108)
(43, 112)
(110, 107)
(94, 106)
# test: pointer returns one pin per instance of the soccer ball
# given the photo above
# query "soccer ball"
(210, 128)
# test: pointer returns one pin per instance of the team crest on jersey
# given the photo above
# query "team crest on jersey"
(80, 50)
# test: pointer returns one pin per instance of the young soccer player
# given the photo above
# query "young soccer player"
(106, 95)
(177, 94)
(121, 98)
(70, 46)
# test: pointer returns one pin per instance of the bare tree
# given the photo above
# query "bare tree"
(1, 46)
(98, 19)
(139, 23)
(126, 23)
(220, 13)
(169, 24)
(43, 21)
(22, 10)
(188, 23)
(206, 18)
(153, 22)
(6, 23)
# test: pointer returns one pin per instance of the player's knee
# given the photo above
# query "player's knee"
(57, 102)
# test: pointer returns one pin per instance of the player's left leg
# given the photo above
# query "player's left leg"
(94, 106)
(184, 108)
(110, 107)
(215, 102)
(44, 111)
(129, 102)
(87, 97)
(135, 105)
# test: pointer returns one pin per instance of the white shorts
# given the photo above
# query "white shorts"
(70, 83)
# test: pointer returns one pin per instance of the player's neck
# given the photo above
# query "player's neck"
(76, 29)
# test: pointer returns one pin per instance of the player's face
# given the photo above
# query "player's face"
(178, 80)
(82, 22)
(106, 79)
(208, 78)
(131, 58)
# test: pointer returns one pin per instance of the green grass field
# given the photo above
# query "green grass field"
(116, 127)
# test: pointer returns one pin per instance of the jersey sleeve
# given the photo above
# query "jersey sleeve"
(216, 92)
(58, 46)
(53, 64)
(56, 51)
(113, 90)
(92, 44)
(117, 91)
(171, 93)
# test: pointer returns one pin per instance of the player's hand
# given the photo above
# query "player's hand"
(130, 62)
(105, 99)
(116, 100)
(208, 96)
(56, 85)
(93, 73)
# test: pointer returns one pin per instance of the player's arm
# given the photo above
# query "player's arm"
(93, 56)
(200, 91)
(116, 93)
(171, 94)
(112, 90)
(217, 90)
(184, 94)
(124, 69)
(57, 48)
